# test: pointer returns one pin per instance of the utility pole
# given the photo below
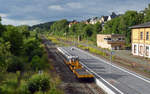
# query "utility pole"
(74, 40)
(111, 54)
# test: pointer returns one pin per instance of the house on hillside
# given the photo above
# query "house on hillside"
(103, 19)
(73, 22)
(87, 21)
(113, 15)
(111, 41)
(94, 20)
(140, 39)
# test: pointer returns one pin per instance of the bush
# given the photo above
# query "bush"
(38, 83)
(15, 64)
(9, 86)
(36, 63)
(23, 89)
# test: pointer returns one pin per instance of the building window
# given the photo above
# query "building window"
(147, 51)
(141, 35)
(119, 38)
(107, 38)
(147, 35)
(134, 48)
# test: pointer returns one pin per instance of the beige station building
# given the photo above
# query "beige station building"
(141, 40)
(111, 41)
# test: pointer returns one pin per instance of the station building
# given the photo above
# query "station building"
(111, 41)
(141, 40)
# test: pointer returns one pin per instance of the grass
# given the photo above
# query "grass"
(56, 41)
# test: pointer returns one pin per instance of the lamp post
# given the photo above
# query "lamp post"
(111, 54)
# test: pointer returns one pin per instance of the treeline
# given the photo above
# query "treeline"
(42, 26)
(89, 31)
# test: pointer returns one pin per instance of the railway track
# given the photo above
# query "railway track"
(70, 84)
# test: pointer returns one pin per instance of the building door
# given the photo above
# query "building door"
(116, 47)
(141, 50)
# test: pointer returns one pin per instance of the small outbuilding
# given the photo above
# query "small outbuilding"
(111, 41)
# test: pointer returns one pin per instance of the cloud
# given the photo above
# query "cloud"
(7, 21)
(3, 15)
(34, 11)
(75, 5)
(55, 7)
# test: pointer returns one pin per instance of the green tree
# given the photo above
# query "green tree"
(88, 31)
(147, 14)
(59, 27)
(36, 63)
(4, 55)
(2, 28)
(16, 40)
(31, 48)
(15, 64)
(26, 33)
(98, 27)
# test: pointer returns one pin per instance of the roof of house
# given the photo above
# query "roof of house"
(144, 25)
(113, 15)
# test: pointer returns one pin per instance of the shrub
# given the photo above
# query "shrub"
(23, 89)
(9, 86)
(38, 63)
(38, 83)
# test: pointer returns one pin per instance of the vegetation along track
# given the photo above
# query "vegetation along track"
(70, 84)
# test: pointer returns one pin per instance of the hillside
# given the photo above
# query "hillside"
(42, 26)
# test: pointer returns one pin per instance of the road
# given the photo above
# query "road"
(116, 78)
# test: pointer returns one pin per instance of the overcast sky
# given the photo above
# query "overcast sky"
(30, 12)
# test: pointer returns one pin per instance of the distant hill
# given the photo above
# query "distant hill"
(42, 26)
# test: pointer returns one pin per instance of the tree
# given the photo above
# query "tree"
(36, 63)
(88, 31)
(147, 14)
(98, 27)
(31, 48)
(15, 64)
(2, 28)
(4, 55)
(26, 33)
(16, 40)
(59, 27)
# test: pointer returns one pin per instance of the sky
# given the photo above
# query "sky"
(31, 12)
